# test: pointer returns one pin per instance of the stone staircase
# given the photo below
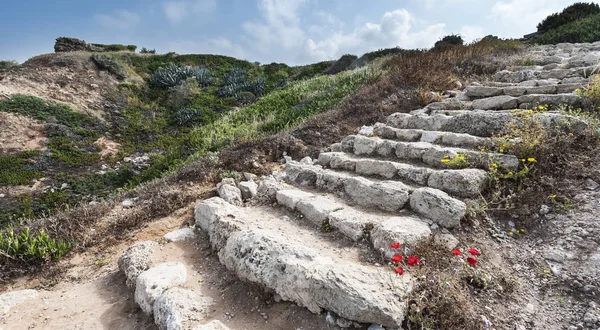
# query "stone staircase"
(386, 185)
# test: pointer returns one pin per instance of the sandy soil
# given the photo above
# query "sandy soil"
(19, 133)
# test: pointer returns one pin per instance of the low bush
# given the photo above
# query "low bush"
(450, 40)
(145, 50)
(30, 246)
(37, 108)
(110, 64)
(569, 15)
(591, 93)
(172, 75)
(584, 30)
(7, 65)
(17, 170)
(117, 47)
(342, 64)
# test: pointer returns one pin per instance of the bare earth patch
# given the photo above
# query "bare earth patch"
(19, 133)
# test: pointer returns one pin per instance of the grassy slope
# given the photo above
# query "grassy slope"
(146, 125)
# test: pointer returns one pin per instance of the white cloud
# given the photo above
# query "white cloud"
(177, 11)
(394, 29)
(120, 19)
(280, 25)
(470, 33)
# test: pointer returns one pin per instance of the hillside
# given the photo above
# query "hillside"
(450, 188)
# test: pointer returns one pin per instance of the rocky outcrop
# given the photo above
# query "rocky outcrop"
(65, 44)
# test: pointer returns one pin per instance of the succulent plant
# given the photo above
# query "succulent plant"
(172, 75)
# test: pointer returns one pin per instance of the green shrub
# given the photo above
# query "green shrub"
(173, 75)
(37, 108)
(116, 47)
(31, 246)
(580, 31)
(450, 40)
(569, 15)
(342, 64)
(145, 50)
(7, 65)
(237, 81)
(110, 64)
(372, 56)
(14, 169)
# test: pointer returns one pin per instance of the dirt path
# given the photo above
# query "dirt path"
(93, 294)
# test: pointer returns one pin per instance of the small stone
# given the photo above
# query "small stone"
(343, 323)
(555, 256)
(544, 209)
(264, 316)
(180, 235)
(589, 289)
(366, 130)
(2, 195)
(128, 203)
(329, 318)
(375, 327)
(306, 161)
(591, 184)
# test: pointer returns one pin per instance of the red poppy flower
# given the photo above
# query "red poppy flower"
(396, 245)
(397, 258)
(399, 270)
(456, 252)
(474, 252)
(413, 260)
(472, 261)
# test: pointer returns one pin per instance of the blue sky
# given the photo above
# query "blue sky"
(290, 31)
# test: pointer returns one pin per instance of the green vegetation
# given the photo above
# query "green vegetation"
(372, 56)
(37, 108)
(6, 65)
(279, 110)
(172, 75)
(110, 64)
(573, 13)
(17, 170)
(450, 40)
(583, 30)
(145, 50)
(117, 47)
(31, 246)
(342, 64)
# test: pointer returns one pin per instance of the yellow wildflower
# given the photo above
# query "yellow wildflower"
(510, 233)
(445, 160)
(531, 160)
(553, 196)
(501, 150)
(495, 165)
(522, 230)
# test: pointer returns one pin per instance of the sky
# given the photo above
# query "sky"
(289, 31)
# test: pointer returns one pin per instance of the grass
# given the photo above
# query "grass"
(37, 108)
(18, 169)
(280, 110)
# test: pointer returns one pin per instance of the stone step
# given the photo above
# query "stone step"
(479, 92)
(385, 195)
(300, 265)
(422, 152)
(437, 137)
(459, 182)
(480, 123)
(352, 222)
(524, 75)
(533, 100)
